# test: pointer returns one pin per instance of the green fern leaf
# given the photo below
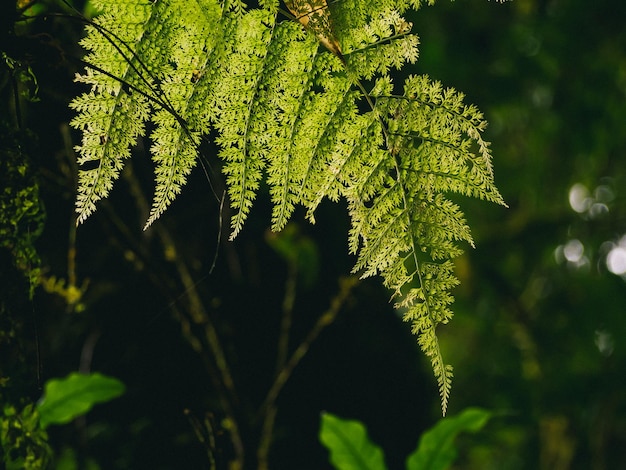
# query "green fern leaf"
(403, 226)
(291, 114)
(180, 126)
(110, 117)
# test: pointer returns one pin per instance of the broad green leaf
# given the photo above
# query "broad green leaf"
(436, 447)
(349, 446)
(73, 396)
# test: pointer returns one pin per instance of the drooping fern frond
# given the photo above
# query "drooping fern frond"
(297, 116)
(403, 226)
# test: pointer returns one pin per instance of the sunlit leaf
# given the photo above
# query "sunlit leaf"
(349, 446)
(436, 447)
(73, 396)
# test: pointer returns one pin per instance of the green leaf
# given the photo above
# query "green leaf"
(436, 447)
(349, 446)
(73, 396)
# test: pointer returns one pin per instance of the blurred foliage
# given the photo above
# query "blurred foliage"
(24, 443)
(350, 447)
(21, 222)
(65, 399)
(538, 334)
(24, 446)
(540, 314)
(436, 449)
(298, 250)
(23, 436)
(21, 212)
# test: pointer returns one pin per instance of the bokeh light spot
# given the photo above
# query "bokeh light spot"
(579, 198)
(604, 342)
(573, 251)
(616, 260)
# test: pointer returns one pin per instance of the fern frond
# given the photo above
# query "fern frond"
(177, 135)
(380, 45)
(454, 157)
(402, 225)
(234, 95)
(110, 117)
(299, 118)
(287, 80)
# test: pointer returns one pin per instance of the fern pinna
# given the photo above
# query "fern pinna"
(310, 121)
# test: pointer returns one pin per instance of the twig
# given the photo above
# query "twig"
(287, 316)
(268, 408)
(204, 433)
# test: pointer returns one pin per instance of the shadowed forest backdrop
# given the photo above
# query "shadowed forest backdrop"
(540, 313)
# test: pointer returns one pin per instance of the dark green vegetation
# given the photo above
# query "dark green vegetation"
(538, 327)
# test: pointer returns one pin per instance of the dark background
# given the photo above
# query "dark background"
(538, 335)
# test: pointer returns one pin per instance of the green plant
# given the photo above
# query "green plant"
(23, 434)
(73, 396)
(23, 440)
(21, 212)
(309, 123)
(351, 449)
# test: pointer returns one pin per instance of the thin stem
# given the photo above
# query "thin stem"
(287, 316)
(267, 433)
(269, 418)
(327, 318)
(205, 435)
